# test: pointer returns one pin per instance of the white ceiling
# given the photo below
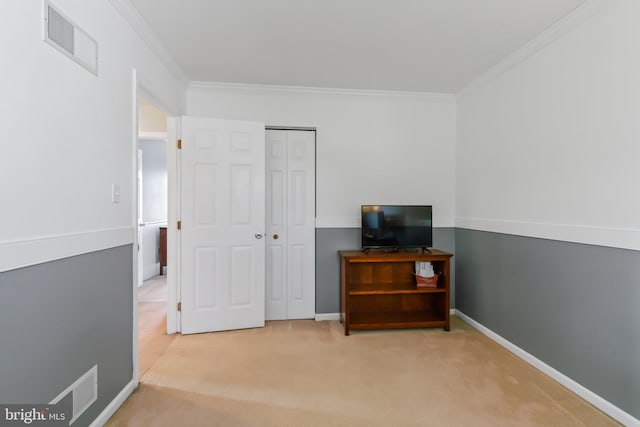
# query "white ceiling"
(414, 45)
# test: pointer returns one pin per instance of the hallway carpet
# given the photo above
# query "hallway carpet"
(153, 340)
(306, 373)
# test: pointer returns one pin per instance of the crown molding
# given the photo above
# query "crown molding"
(320, 90)
(139, 25)
(578, 16)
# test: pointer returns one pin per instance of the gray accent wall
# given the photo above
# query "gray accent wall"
(154, 180)
(331, 240)
(573, 306)
(60, 318)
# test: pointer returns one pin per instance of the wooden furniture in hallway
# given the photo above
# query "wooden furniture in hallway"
(378, 291)
(163, 248)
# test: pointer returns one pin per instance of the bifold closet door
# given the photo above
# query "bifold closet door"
(290, 219)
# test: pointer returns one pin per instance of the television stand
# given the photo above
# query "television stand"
(426, 250)
(378, 291)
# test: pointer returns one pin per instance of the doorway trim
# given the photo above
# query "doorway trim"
(141, 88)
(174, 286)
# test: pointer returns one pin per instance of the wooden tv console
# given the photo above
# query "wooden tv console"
(378, 291)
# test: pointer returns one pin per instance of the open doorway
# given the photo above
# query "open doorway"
(152, 178)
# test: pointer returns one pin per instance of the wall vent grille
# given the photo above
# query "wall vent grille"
(84, 391)
(61, 33)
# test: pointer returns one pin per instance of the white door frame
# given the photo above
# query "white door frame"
(140, 87)
(174, 133)
(139, 214)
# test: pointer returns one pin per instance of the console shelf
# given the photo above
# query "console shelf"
(378, 291)
(396, 320)
(388, 289)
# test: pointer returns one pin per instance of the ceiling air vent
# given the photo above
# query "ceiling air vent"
(61, 33)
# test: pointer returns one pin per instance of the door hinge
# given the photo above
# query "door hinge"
(180, 306)
(179, 144)
(179, 225)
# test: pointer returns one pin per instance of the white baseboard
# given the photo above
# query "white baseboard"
(597, 401)
(452, 311)
(320, 317)
(113, 406)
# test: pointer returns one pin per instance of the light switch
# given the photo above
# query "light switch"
(115, 193)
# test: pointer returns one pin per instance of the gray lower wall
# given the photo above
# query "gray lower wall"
(573, 306)
(331, 240)
(60, 318)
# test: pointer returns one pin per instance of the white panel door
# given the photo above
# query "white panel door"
(223, 219)
(290, 292)
(276, 218)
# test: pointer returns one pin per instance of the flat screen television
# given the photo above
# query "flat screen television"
(396, 227)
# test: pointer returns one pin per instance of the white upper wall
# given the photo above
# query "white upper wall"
(372, 148)
(151, 120)
(67, 134)
(550, 147)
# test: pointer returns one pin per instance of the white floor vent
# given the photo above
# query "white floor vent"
(85, 392)
(61, 33)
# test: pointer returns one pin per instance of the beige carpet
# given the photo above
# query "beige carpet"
(153, 340)
(306, 373)
(153, 290)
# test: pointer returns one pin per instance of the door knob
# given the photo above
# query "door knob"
(258, 235)
(275, 237)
